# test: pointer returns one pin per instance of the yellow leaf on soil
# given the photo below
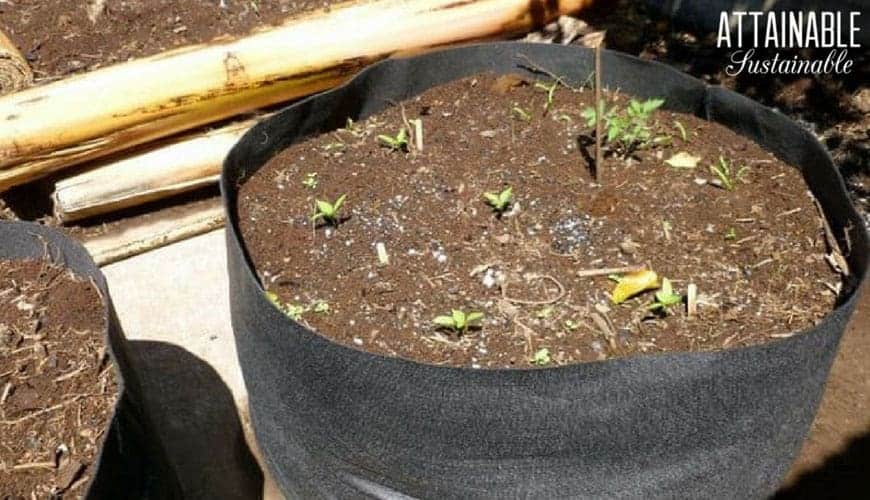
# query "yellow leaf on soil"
(634, 283)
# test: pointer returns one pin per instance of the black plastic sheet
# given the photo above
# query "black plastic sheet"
(131, 462)
(335, 422)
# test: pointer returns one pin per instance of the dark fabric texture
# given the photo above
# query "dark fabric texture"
(131, 463)
(335, 422)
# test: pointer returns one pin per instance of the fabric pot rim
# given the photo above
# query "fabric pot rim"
(845, 301)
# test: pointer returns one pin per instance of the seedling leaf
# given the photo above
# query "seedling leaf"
(500, 201)
(682, 129)
(541, 357)
(328, 211)
(474, 316)
(445, 321)
(399, 142)
(458, 321)
(665, 296)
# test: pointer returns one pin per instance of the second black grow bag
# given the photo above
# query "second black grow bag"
(131, 463)
(335, 422)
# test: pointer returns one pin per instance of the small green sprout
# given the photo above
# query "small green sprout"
(310, 180)
(731, 234)
(521, 113)
(273, 298)
(500, 201)
(397, 143)
(571, 325)
(295, 311)
(334, 146)
(682, 130)
(726, 176)
(629, 129)
(550, 89)
(545, 312)
(328, 211)
(458, 321)
(665, 297)
(541, 357)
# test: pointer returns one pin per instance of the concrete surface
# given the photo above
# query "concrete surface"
(178, 296)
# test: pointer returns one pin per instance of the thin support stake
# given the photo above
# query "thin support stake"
(598, 113)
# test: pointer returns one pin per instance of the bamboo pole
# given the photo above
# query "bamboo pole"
(150, 235)
(47, 128)
(15, 73)
(184, 164)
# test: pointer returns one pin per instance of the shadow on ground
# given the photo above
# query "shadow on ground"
(194, 413)
(844, 475)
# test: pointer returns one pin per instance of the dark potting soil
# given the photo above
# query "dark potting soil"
(59, 37)
(57, 384)
(756, 253)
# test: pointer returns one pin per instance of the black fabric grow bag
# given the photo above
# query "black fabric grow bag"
(130, 463)
(335, 422)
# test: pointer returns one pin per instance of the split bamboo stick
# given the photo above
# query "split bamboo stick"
(15, 73)
(150, 235)
(47, 128)
(184, 164)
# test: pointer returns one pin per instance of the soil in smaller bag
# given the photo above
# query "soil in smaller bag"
(57, 383)
(752, 243)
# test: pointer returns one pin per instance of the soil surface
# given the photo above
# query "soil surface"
(756, 253)
(59, 37)
(834, 107)
(57, 384)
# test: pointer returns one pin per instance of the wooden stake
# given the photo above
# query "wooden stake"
(586, 273)
(47, 128)
(15, 73)
(185, 164)
(151, 235)
(598, 112)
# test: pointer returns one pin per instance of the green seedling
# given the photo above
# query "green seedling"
(665, 297)
(310, 180)
(571, 325)
(397, 143)
(499, 201)
(545, 313)
(458, 321)
(550, 89)
(726, 176)
(682, 130)
(295, 311)
(328, 211)
(521, 113)
(541, 357)
(731, 234)
(630, 129)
